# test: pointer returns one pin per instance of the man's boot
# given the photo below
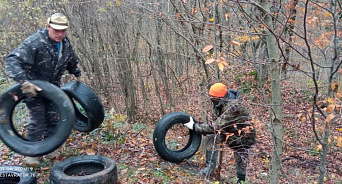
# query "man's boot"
(241, 160)
(210, 160)
(241, 178)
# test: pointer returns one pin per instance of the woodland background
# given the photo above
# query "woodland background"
(148, 58)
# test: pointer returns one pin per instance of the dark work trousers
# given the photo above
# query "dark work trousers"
(43, 120)
(241, 160)
(241, 153)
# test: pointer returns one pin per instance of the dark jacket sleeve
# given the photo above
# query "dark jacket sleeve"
(20, 60)
(72, 63)
(204, 128)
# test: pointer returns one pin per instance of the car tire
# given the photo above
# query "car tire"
(90, 169)
(90, 102)
(9, 135)
(13, 174)
(159, 134)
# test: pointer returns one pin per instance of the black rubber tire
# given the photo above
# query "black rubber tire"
(14, 174)
(159, 134)
(97, 169)
(90, 102)
(12, 96)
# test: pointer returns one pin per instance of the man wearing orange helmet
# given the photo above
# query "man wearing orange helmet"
(231, 121)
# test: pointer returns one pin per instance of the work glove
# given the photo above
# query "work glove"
(190, 124)
(28, 89)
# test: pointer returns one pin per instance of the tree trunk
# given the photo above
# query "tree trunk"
(289, 34)
(161, 60)
(137, 62)
(276, 121)
(335, 64)
(336, 61)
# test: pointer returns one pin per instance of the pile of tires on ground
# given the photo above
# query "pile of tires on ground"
(88, 169)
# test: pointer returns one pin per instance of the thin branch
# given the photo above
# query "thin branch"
(313, 74)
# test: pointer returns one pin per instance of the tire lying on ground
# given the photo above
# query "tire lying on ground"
(90, 169)
(159, 134)
(17, 175)
(90, 102)
(9, 135)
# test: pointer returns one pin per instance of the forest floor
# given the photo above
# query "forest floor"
(131, 147)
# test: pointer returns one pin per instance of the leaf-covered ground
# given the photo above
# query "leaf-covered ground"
(131, 146)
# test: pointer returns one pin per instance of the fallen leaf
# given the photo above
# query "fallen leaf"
(227, 16)
(90, 152)
(211, 60)
(319, 147)
(330, 108)
(224, 63)
(303, 119)
(235, 43)
(339, 142)
(334, 86)
(207, 48)
(152, 159)
(44, 168)
(221, 66)
(124, 171)
(329, 118)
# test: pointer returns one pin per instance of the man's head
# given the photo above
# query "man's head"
(218, 90)
(57, 25)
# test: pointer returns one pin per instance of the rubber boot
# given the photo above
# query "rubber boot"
(210, 160)
(241, 178)
(241, 160)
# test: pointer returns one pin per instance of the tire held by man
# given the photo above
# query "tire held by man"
(159, 134)
(93, 114)
(9, 135)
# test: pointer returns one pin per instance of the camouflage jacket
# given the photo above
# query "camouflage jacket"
(37, 58)
(234, 116)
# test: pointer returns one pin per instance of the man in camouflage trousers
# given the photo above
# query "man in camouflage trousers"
(231, 125)
(44, 56)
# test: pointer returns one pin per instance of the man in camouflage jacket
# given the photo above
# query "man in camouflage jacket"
(45, 56)
(231, 123)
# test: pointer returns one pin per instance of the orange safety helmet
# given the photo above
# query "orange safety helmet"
(218, 90)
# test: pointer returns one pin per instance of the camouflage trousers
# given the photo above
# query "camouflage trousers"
(43, 118)
(241, 146)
